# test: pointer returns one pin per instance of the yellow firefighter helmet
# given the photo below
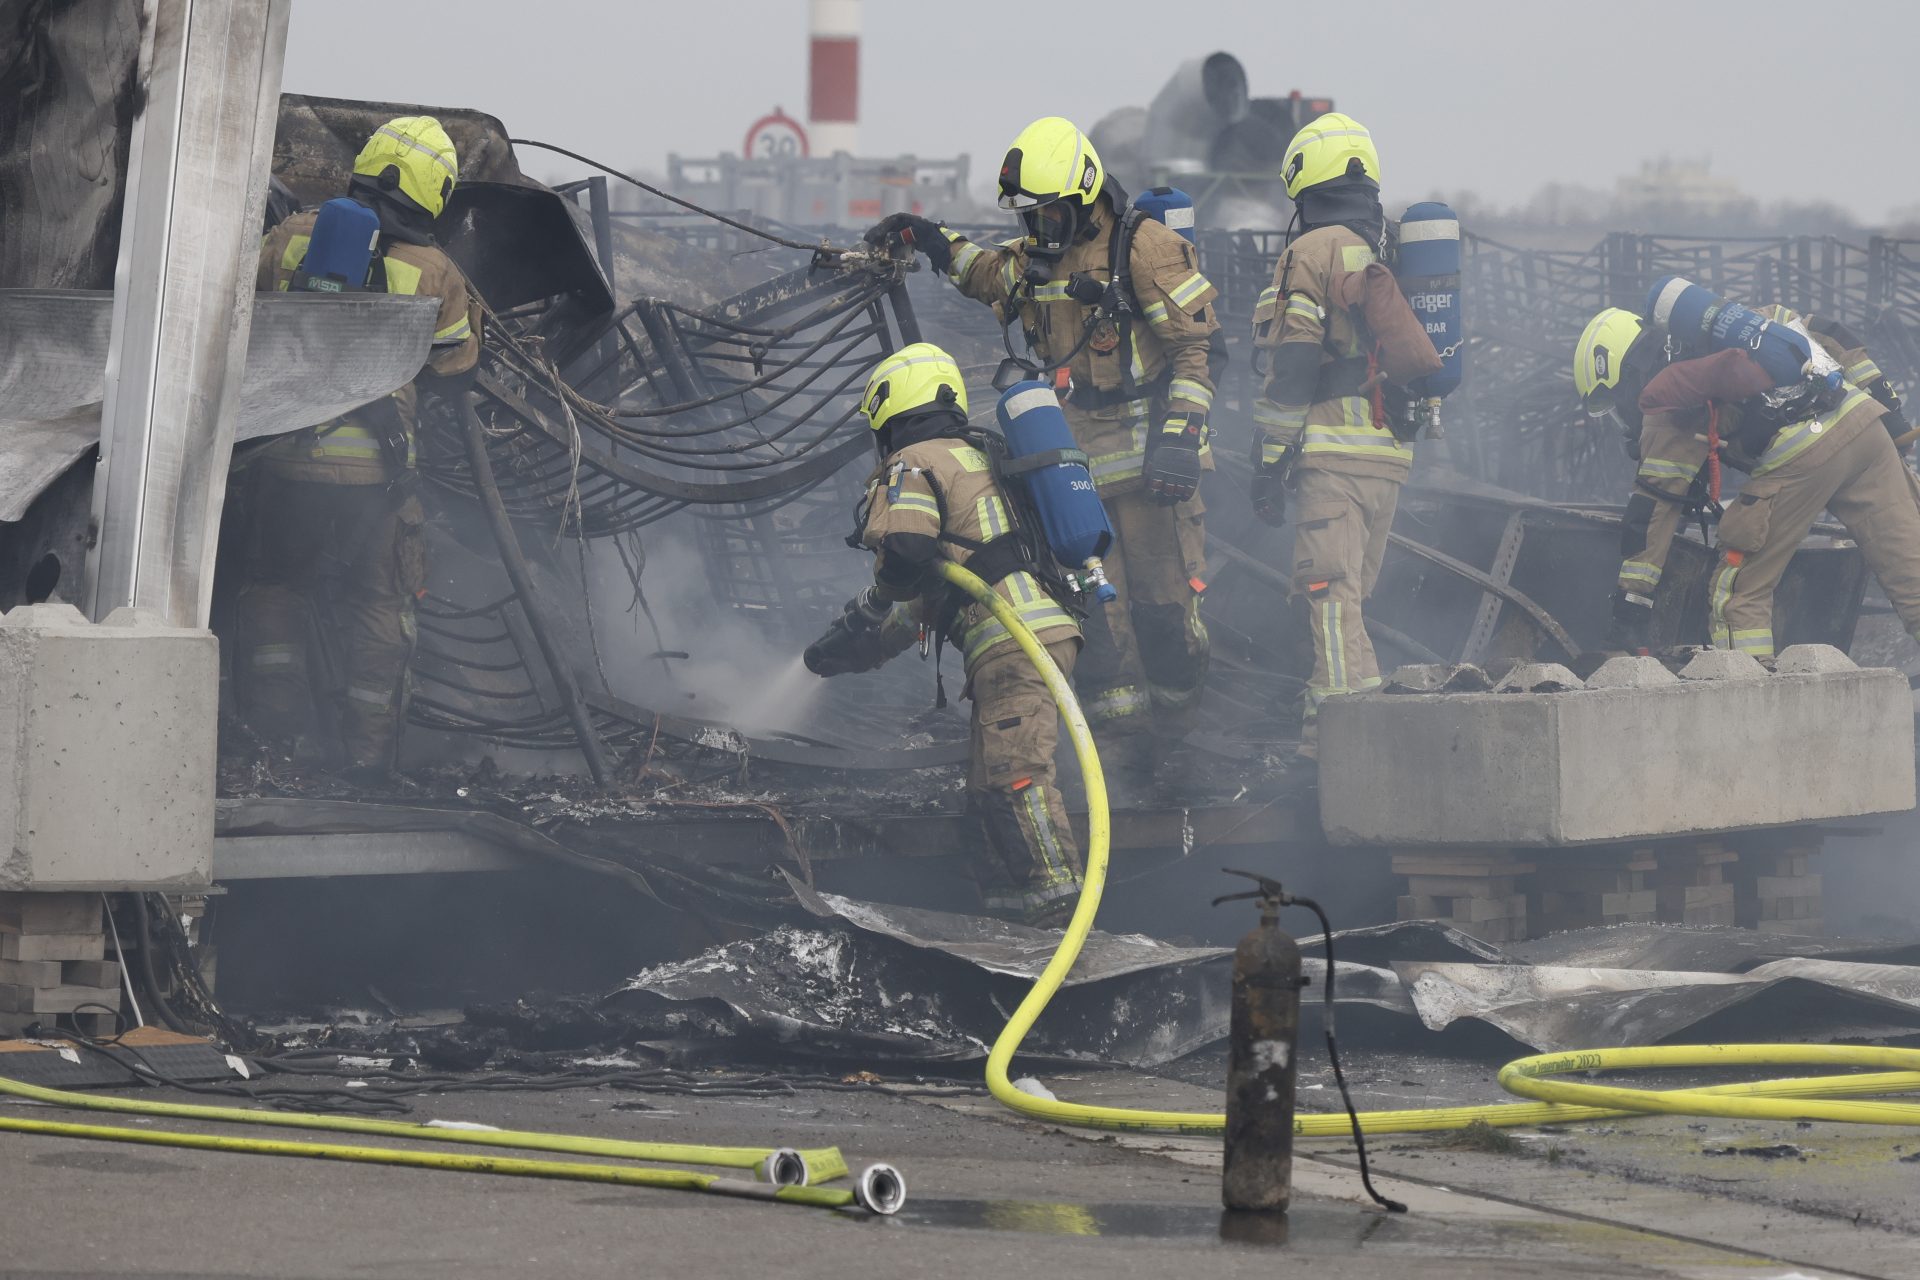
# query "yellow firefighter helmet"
(912, 378)
(1050, 160)
(412, 157)
(1601, 354)
(1325, 150)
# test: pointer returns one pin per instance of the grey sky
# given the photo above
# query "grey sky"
(1498, 98)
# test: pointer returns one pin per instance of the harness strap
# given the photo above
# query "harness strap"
(1048, 458)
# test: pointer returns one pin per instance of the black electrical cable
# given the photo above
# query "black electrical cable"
(120, 1024)
(154, 993)
(610, 171)
(193, 985)
(130, 1059)
(1333, 1056)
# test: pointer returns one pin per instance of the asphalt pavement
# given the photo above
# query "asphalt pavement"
(989, 1194)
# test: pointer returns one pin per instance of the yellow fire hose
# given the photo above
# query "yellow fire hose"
(1559, 1101)
(879, 1189)
(775, 1164)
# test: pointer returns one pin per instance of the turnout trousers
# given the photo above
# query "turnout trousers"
(1145, 664)
(345, 552)
(1339, 540)
(1864, 482)
(1029, 860)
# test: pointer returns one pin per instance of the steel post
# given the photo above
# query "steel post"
(183, 300)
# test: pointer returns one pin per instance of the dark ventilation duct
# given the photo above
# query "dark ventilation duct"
(1256, 145)
(1203, 98)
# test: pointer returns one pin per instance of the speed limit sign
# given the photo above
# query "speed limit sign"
(777, 136)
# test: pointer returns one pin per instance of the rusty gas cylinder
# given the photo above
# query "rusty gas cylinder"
(1258, 1174)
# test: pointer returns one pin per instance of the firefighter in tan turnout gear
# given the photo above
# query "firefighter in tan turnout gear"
(1126, 340)
(935, 497)
(337, 527)
(1688, 417)
(1331, 434)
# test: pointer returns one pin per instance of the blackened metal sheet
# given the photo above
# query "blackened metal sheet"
(309, 359)
(1706, 949)
(1554, 1008)
(898, 982)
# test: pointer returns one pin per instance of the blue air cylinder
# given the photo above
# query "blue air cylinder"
(1043, 455)
(1699, 318)
(1428, 268)
(340, 252)
(1170, 206)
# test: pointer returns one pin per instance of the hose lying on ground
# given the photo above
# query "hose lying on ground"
(1560, 1101)
(879, 1189)
(781, 1164)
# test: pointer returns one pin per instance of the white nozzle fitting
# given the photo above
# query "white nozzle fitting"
(880, 1189)
(784, 1167)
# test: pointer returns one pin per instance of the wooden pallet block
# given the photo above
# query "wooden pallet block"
(53, 946)
(41, 913)
(17, 998)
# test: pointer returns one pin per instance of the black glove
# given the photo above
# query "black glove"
(853, 642)
(1270, 497)
(1632, 620)
(1173, 459)
(915, 232)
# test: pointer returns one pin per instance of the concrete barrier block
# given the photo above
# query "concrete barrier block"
(106, 751)
(1539, 677)
(1631, 671)
(1525, 770)
(1723, 664)
(1812, 660)
(1421, 677)
(1438, 677)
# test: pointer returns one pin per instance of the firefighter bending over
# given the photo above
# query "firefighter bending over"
(1332, 429)
(935, 497)
(1125, 338)
(1805, 446)
(337, 532)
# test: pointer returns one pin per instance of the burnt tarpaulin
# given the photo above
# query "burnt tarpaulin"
(309, 358)
(900, 982)
(1559, 1007)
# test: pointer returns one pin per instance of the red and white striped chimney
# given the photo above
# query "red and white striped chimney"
(833, 77)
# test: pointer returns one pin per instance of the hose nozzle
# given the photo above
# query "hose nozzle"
(783, 1167)
(880, 1188)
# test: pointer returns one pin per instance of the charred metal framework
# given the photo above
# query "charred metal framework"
(743, 414)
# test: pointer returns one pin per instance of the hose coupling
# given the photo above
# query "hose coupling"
(784, 1167)
(881, 1189)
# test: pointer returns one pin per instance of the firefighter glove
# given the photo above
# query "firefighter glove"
(1173, 462)
(915, 232)
(1632, 621)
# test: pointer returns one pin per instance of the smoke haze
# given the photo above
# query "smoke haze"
(1791, 103)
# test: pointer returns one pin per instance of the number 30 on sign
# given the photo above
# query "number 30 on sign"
(777, 136)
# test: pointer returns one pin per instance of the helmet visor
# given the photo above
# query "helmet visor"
(1051, 227)
(1601, 401)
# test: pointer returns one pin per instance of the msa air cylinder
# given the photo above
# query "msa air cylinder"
(1042, 454)
(340, 251)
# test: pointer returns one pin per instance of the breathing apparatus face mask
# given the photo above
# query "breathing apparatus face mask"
(1051, 228)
